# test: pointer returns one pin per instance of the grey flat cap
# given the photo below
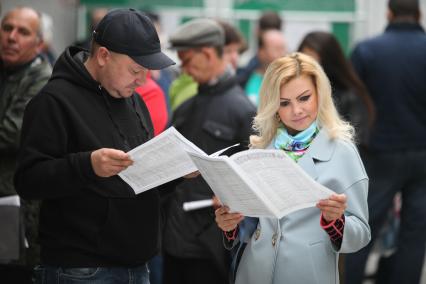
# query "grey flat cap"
(197, 33)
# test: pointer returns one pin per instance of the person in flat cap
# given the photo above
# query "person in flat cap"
(219, 115)
(75, 135)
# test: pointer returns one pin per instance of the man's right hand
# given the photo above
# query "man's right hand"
(108, 162)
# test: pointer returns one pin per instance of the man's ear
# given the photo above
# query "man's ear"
(39, 45)
(210, 52)
(102, 56)
(206, 51)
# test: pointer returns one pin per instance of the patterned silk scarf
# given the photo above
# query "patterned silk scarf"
(295, 146)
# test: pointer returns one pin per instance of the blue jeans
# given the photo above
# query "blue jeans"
(91, 275)
(155, 266)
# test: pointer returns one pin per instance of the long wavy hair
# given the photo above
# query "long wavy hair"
(279, 73)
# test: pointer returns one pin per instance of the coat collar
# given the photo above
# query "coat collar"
(321, 149)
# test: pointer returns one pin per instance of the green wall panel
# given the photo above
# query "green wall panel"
(244, 27)
(139, 3)
(342, 33)
(286, 5)
(297, 5)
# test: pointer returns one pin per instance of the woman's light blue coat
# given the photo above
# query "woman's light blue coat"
(295, 249)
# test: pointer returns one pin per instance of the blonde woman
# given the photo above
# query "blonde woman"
(297, 115)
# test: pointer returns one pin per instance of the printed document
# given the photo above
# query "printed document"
(253, 182)
(260, 182)
(160, 160)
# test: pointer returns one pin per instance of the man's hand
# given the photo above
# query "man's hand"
(333, 207)
(109, 162)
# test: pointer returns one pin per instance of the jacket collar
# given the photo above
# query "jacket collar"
(221, 84)
(321, 149)
(404, 26)
(15, 73)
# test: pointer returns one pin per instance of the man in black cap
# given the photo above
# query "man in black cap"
(75, 135)
(219, 115)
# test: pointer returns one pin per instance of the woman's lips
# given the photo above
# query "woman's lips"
(298, 120)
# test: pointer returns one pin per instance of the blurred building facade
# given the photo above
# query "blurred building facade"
(349, 20)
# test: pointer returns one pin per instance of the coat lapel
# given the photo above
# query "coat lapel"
(321, 149)
(308, 165)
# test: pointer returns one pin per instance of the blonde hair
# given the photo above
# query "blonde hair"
(280, 72)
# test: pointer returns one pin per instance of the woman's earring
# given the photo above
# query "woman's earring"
(277, 117)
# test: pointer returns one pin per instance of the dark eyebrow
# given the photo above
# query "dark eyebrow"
(302, 94)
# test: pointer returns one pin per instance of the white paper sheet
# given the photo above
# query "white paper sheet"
(160, 160)
(11, 200)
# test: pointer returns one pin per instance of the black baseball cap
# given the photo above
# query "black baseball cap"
(132, 33)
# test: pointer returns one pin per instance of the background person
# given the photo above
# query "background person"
(154, 98)
(349, 93)
(184, 87)
(22, 74)
(397, 143)
(271, 46)
(234, 44)
(268, 20)
(219, 115)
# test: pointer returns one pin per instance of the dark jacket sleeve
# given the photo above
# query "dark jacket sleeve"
(45, 168)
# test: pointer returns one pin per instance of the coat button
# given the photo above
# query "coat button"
(274, 239)
(217, 132)
(257, 234)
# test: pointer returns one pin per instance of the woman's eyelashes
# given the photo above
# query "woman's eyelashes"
(302, 99)
(284, 103)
